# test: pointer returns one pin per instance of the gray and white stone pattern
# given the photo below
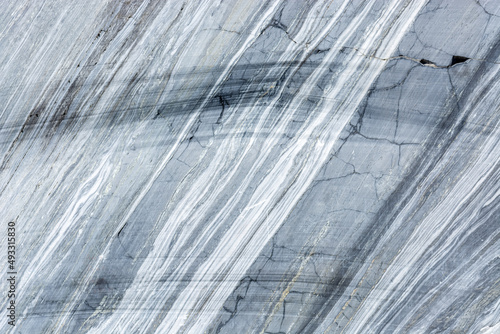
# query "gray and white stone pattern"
(251, 166)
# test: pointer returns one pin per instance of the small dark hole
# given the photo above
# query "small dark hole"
(425, 61)
(457, 60)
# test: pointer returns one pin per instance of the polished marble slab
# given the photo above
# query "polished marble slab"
(251, 166)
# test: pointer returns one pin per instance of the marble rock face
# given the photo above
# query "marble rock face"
(248, 166)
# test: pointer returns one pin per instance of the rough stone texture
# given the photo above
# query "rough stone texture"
(251, 166)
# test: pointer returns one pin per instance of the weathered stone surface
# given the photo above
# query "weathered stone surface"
(251, 166)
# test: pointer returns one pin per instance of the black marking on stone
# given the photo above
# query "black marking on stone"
(458, 60)
(426, 62)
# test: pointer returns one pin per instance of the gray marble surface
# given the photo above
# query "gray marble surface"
(251, 166)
